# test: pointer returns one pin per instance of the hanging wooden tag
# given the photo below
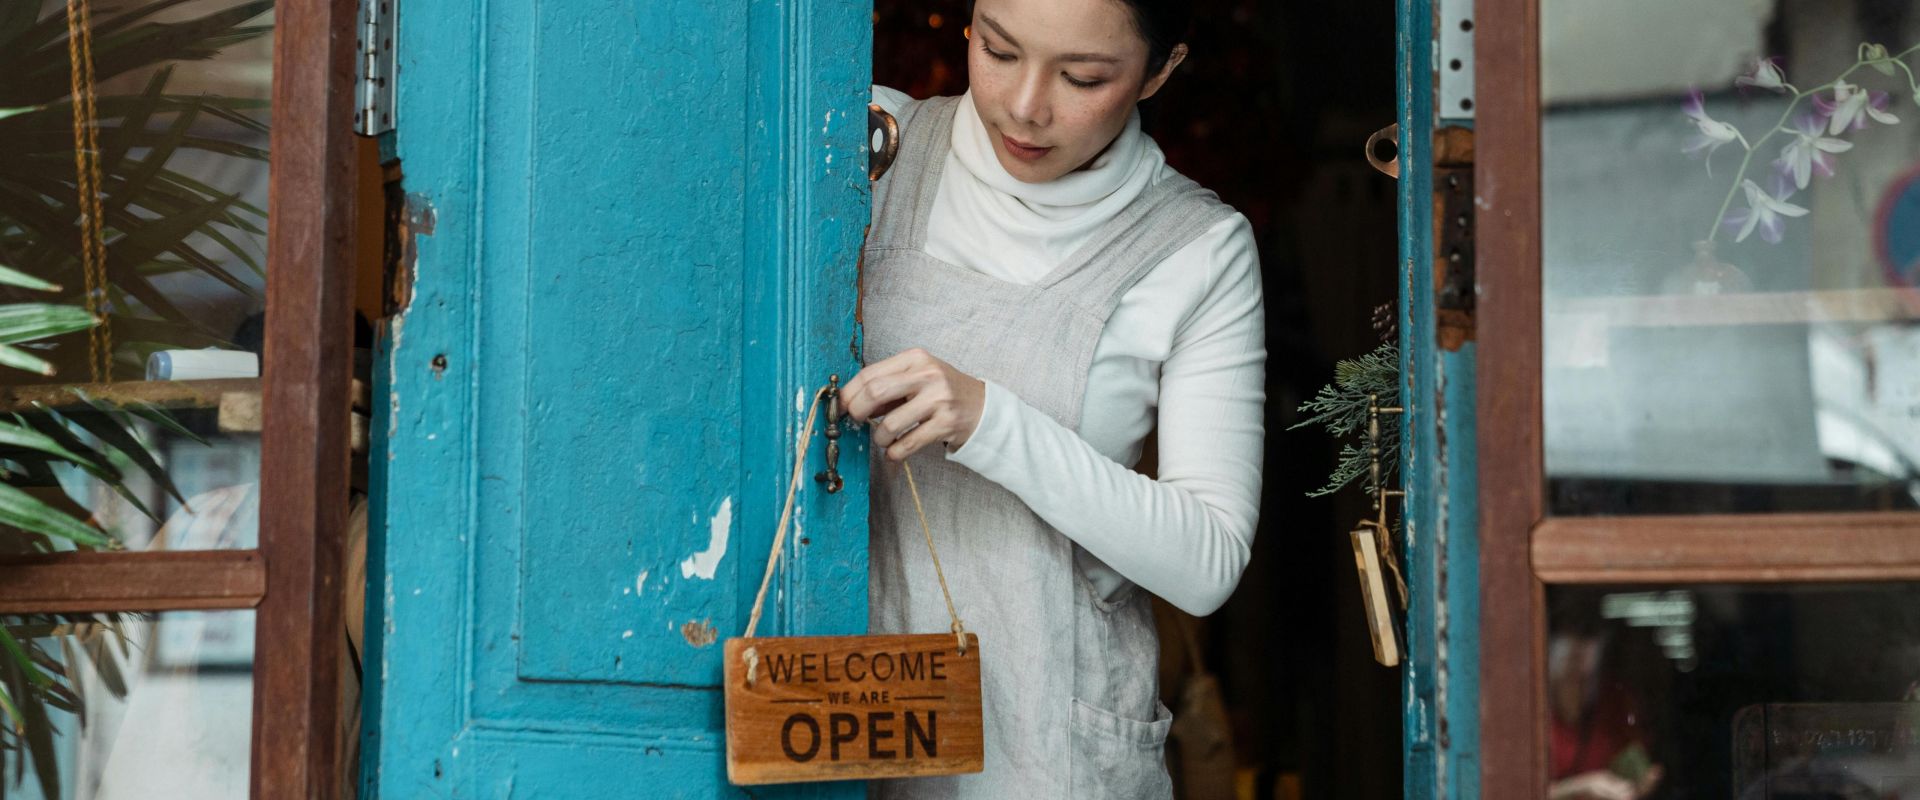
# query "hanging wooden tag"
(829, 708)
(1373, 591)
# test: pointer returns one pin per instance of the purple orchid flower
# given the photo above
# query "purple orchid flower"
(1851, 107)
(1766, 74)
(1766, 211)
(1710, 134)
(1809, 153)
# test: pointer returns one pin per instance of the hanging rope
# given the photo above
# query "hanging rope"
(752, 655)
(87, 180)
(959, 630)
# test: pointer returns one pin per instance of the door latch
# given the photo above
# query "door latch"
(831, 475)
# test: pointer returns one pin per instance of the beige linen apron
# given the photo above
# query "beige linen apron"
(1069, 684)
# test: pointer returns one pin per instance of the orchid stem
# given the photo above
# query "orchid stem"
(1911, 83)
(1747, 160)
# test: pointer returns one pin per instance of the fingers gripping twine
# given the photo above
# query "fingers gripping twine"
(751, 655)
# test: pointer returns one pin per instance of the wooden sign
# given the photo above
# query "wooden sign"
(829, 708)
(1373, 592)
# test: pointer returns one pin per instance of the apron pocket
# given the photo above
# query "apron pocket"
(1119, 758)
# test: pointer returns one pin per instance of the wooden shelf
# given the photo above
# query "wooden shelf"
(238, 400)
(165, 394)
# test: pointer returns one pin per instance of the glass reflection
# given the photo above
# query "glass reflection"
(1731, 249)
(1796, 691)
(133, 194)
(142, 706)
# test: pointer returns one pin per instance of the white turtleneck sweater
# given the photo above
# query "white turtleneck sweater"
(1188, 340)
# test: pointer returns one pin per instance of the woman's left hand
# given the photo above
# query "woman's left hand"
(913, 400)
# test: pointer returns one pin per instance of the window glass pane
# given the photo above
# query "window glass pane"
(1731, 321)
(165, 712)
(154, 411)
(1781, 691)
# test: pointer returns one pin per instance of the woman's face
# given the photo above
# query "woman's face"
(1055, 80)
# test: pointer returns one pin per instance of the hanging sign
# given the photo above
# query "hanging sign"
(833, 708)
(829, 708)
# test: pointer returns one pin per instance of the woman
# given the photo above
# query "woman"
(1036, 283)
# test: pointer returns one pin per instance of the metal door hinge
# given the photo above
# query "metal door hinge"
(1453, 222)
(1456, 58)
(373, 68)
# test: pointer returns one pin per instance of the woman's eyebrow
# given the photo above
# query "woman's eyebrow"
(1100, 58)
(999, 30)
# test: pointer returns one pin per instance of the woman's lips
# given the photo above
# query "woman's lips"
(1021, 151)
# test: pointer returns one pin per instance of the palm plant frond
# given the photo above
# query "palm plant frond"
(157, 218)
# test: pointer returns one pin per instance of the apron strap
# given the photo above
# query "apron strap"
(903, 198)
(1166, 217)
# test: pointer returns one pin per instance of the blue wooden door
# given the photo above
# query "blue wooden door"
(637, 229)
(1441, 679)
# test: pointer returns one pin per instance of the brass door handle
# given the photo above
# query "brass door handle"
(831, 475)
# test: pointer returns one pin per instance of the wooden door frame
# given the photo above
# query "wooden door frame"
(293, 579)
(306, 403)
(1522, 548)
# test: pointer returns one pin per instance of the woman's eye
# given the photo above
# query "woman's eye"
(997, 56)
(1084, 84)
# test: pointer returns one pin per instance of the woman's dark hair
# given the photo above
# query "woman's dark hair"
(1163, 23)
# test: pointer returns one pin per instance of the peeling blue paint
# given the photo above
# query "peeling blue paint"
(637, 259)
(1441, 682)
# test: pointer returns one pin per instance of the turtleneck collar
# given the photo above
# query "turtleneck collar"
(1118, 174)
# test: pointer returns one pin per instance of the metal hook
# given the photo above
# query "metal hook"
(883, 141)
(1390, 133)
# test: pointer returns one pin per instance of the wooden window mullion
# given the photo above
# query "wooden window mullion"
(1512, 483)
(306, 402)
(99, 582)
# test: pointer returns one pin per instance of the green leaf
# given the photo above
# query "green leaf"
(13, 648)
(108, 428)
(13, 277)
(12, 435)
(22, 360)
(25, 322)
(28, 513)
(13, 711)
(159, 416)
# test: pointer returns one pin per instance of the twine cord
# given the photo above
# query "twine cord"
(751, 655)
(88, 182)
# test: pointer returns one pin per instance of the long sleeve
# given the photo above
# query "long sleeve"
(1186, 536)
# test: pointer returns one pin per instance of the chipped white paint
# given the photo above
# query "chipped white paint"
(640, 583)
(706, 562)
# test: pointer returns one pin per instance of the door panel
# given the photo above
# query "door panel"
(633, 447)
(641, 263)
